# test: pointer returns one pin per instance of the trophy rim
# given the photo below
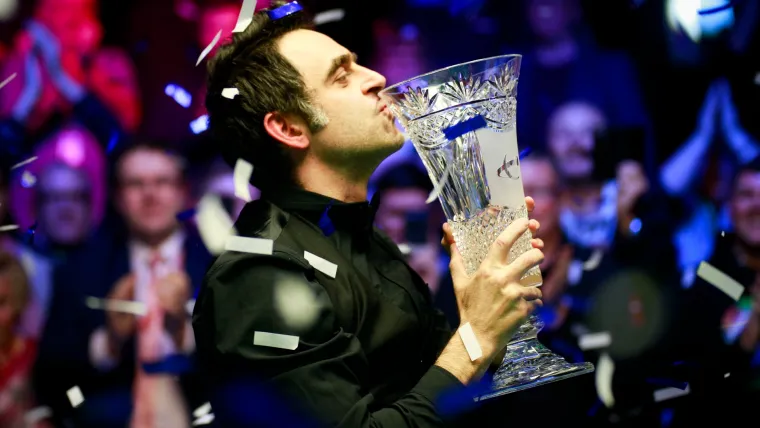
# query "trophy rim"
(395, 86)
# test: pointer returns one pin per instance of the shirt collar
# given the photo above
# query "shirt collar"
(167, 249)
(327, 213)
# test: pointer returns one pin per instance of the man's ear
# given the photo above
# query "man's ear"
(287, 129)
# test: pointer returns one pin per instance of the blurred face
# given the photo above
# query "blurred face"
(63, 205)
(214, 19)
(397, 203)
(571, 136)
(112, 78)
(550, 19)
(8, 308)
(361, 131)
(151, 192)
(540, 181)
(745, 208)
(74, 22)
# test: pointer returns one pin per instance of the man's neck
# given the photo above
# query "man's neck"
(557, 52)
(317, 177)
(155, 240)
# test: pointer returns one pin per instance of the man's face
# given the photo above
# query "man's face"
(550, 19)
(112, 77)
(571, 135)
(541, 183)
(151, 191)
(745, 208)
(361, 131)
(63, 205)
(392, 213)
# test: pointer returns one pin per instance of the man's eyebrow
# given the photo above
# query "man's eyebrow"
(339, 62)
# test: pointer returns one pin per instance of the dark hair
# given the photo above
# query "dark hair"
(266, 82)
(405, 175)
(145, 145)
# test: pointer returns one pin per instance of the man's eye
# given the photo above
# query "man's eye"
(343, 78)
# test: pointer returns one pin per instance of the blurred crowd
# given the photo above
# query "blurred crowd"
(644, 163)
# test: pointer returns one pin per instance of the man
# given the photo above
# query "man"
(373, 351)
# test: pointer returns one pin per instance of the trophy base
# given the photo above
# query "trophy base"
(528, 363)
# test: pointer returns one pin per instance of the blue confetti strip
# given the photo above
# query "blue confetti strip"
(455, 131)
(727, 5)
(594, 409)
(667, 382)
(186, 215)
(284, 10)
(525, 153)
(113, 141)
(325, 224)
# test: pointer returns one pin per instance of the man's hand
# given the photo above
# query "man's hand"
(48, 45)
(173, 292)
(121, 326)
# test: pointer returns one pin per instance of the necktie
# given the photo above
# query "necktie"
(157, 397)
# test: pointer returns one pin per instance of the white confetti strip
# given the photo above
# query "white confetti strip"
(37, 414)
(722, 233)
(8, 227)
(274, 340)
(204, 409)
(668, 393)
(22, 163)
(605, 370)
(328, 268)
(725, 376)
(230, 93)
(720, 280)
(594, 341)
(190, 306)
(245, 244)
(214, 224)
(75, 396)
(208, 48)
(125, 306)
(242, 178)
(246, 16)
(7, 80)
(470, 342)
(593, 261)
(296, 304)
(438, 187)
(332, 15)
(579, 330)
(204, 420)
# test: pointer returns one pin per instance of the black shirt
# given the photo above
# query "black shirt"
(367, 339)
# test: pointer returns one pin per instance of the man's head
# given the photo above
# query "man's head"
(745, 204)
(552, 19)
(571, 134)
(403, 190)
(64, 204)
(541, 182)
(302, 97)
(151, 190)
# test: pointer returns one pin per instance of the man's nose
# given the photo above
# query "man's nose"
(374, 81)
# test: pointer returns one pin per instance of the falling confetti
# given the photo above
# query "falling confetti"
(230, 93)
(204, 420)
(208, 48)
(7, 80)
(296, 304)
(328, 268)
(274, 340)
(8, 227)
(593, 261)
(439, 187)
(179, 94)
(594, 341)
(605, 370)
(722, 233)
(204, 409)
(28, 179)
(26, 162)
(244, 244)
(75, 396)
(214, 224)
(199, 125)
(37, 414)
(245, 16)
(332, 15)
(720, 280)
(124, 306)
(669, 393)
(242, 178)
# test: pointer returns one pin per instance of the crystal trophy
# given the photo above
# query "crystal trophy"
(461, 120)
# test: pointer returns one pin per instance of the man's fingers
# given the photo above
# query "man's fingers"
(534, 225)
(537, 243)
(499, 251)
(531, 293)
(530, 204)
(527, 260)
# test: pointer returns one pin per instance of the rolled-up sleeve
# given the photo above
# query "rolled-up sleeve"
(323, 378)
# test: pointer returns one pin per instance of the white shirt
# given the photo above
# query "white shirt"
(140, 255)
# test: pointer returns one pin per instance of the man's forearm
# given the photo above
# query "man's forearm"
(456, 361)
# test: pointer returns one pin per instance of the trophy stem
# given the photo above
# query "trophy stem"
(528, 363)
